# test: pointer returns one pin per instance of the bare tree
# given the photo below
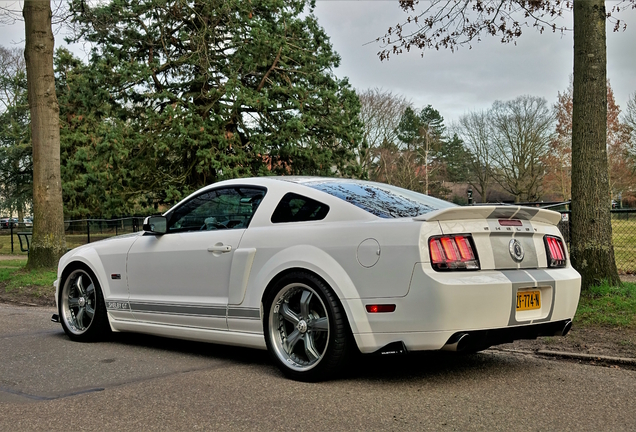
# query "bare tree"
(455, 23)
(475, 130)
(16, 170)
(629, 118)
(380, 112)
(11, 66)
(48, 243)
(11, 12)
(522, 132)
(558, 161)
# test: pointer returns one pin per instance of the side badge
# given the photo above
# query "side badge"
(115, 276)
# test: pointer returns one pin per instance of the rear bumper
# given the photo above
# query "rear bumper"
(475, 340)
(440, 305)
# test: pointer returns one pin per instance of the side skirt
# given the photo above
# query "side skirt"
(224, 337)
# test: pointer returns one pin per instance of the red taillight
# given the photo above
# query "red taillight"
(380, 308)
(450, 248)
(453, 252)
(436, 251)
(465, 250)
(555, 251)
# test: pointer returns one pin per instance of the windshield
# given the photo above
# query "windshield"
(382, 200)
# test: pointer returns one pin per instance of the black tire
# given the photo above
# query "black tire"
(80, 297)
(302, 310)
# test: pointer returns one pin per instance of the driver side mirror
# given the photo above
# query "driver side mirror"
(155, 224)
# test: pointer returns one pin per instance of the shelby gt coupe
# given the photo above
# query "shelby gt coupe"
(313, 269)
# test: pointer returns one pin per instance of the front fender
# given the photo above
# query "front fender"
(88, 256)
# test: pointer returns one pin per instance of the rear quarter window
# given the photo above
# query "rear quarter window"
(382, 200)
(297, 208)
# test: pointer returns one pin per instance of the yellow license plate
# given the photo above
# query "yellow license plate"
(528, 300)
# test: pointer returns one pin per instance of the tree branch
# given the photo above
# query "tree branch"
(260, 86)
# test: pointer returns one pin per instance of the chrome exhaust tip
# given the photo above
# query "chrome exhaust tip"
(457, 342)
(566, 329)
(55, 318)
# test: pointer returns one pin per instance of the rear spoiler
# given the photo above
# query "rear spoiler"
(493, 212)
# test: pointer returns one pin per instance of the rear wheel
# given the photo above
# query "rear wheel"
(306, 329)
(81, 306)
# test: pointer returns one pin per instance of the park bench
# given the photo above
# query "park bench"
(25, 240)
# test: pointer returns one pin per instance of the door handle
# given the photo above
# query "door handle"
(220, 248)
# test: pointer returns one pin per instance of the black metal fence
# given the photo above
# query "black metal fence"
(623, 233)
(79, 232)
(13, 237)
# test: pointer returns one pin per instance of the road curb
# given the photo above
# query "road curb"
(592, 357)
(575, 356)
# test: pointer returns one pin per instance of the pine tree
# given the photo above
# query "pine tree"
(205, 91)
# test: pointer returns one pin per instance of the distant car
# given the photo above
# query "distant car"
(7, 222)
(313, 269)
(28, 222)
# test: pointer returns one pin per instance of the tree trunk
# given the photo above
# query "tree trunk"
(48, 243)
(592, 251)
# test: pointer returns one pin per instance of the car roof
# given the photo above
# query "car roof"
(280, 185)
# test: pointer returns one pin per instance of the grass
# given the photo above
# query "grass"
(16, 281)
(607, 305)
(5, 244)
(13, 263)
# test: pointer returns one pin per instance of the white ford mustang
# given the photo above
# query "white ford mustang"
(312, 269)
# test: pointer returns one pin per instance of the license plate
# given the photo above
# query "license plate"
(528, 300)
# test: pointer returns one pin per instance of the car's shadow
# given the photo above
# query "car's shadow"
(424, 365)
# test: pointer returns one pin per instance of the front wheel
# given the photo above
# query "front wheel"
(306, 330)
(81, 306)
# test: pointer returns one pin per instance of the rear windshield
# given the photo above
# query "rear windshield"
(382, 200)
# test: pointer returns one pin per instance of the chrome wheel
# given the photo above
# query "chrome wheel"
(78, 302)
(299, 327)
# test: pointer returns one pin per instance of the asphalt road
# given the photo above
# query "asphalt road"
(139, 382)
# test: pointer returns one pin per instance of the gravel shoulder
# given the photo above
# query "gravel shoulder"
(26, 296)
(600, 341)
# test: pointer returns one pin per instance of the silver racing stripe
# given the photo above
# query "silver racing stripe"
(244, 313)
(544, 279)
(500, 237)
(503, 212)
(529, 279)
(162, 308)
(219, 311)
(513, 212)
(526, 213)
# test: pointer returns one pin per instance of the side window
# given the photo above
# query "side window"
(297, 208)
(228, 208)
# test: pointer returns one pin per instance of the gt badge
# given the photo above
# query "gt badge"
(516, 250)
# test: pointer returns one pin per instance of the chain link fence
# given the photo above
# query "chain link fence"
(623, 236)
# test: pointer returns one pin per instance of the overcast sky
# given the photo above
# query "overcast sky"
(453, 83)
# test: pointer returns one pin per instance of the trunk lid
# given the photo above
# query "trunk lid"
(505, 237)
